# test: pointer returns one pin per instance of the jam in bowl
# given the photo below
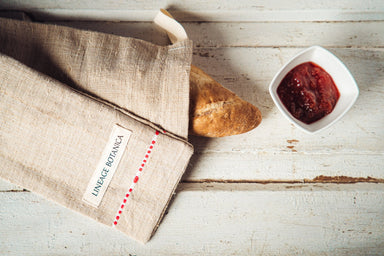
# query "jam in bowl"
(314, 89)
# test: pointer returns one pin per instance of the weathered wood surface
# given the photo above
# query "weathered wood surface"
(222, 207)
(214, 219)
(200, 10)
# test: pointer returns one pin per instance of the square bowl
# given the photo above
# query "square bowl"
(341, 76)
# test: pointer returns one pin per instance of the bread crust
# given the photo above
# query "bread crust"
(216, 111)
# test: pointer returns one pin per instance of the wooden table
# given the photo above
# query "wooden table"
(274, 190)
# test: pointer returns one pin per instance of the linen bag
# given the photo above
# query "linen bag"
(95, 122)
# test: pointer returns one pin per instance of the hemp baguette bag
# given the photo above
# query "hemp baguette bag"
(76, 106)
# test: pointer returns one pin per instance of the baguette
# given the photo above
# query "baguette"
(217, 112)
(214, 110)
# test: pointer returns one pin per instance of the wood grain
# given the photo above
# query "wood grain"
(228, 10)
(236, 219)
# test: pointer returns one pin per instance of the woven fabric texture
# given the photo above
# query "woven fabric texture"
(62, 91)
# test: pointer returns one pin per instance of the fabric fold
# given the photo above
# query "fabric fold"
(150, 81)
(64, 91)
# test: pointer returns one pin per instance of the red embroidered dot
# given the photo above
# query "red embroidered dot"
(115, 223)
(140, 169)
(153, 142)
(122, 206)
(146, 156)
(142, 165)
(130, 190)
(151, 147)
(125, 200)
(157, 132)
(126, 195)
(119, 212)
(149, 151)
(117, 217)
(136, 179)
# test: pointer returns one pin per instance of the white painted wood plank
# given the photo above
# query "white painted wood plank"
(198, 5)
(227, 10)
(259, 34)
(215, 219)
(281, 167)
(287, 34)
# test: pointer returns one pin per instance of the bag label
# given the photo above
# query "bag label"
(107, 165)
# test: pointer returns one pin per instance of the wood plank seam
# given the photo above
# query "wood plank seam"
(318, 179)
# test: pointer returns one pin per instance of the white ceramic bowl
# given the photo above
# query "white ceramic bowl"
(341, 76)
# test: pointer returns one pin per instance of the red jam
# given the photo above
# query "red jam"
(308, 92)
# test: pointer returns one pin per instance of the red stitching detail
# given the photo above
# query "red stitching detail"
(136, 178)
